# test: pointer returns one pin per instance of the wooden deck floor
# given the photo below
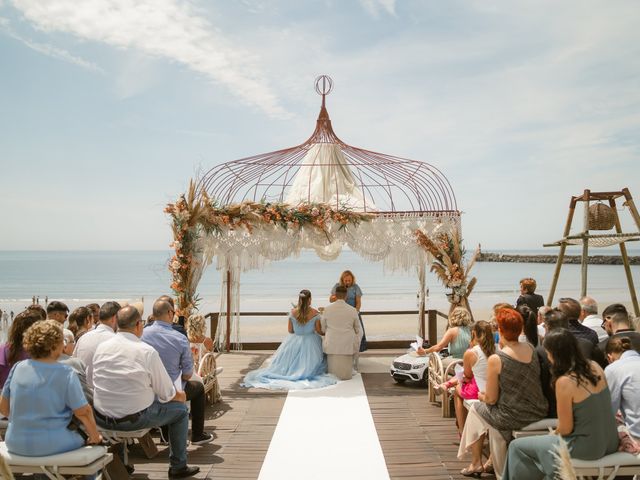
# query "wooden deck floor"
(416, 441)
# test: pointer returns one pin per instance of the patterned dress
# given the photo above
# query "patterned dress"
(521, 401)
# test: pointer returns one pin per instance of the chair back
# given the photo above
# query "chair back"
(207, 366)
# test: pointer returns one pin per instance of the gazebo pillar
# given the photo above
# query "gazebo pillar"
(422, 268)
(227, 341)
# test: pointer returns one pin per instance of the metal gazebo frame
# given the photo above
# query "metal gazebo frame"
(391, 187)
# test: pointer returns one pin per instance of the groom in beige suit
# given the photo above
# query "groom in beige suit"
(341, 328)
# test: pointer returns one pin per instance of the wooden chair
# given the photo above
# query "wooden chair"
(208, 371)
(435, 375)
(447, 394)
(83, 461)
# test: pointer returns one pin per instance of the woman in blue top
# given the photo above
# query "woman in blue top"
(41, 396)
(299, 362)
(354, 298)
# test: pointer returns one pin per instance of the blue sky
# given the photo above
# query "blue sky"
(109, 107)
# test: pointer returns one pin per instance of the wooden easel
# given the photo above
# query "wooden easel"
(585, 236)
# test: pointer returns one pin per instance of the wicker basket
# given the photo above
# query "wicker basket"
(601, 217)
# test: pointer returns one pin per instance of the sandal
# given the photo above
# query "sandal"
(472, 472)
(488, 468)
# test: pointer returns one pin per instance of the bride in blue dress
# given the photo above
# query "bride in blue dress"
(299, 362)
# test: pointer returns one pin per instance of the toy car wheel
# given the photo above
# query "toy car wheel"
(425, 376)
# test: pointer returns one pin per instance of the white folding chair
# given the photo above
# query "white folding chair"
(83, 461)
(608, 467)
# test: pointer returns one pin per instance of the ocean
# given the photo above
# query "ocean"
(81, 277)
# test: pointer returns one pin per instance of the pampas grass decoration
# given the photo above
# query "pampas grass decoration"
(564, 467)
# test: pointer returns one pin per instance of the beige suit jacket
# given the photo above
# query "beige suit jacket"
(341, 326)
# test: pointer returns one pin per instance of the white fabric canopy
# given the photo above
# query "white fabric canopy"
(390, 240)
(325, 177)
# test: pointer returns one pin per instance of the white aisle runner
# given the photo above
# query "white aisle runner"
(326, 434)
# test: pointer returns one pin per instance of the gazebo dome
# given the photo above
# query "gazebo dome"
(324, 169)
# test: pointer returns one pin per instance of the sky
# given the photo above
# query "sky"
(109, 107)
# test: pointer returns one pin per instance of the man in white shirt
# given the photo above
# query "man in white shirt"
(88, 343)
(340, 325)
(132, 390)
(590, 318)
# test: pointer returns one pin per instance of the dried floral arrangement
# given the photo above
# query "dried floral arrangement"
(448, 264)
(562, 460)
(195, 213)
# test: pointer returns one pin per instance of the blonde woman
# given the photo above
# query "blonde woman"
(196, 333)
(299, 362)
(457, 337)
(354, 298)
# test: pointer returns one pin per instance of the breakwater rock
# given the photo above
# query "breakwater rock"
(593, 259)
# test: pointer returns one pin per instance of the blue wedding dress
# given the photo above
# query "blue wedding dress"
(299, 362)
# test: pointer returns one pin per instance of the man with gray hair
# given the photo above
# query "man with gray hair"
(541, 313)
(590, 318)
(175, 352)
(132, 390)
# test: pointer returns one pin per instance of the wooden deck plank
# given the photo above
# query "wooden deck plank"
(416, 441)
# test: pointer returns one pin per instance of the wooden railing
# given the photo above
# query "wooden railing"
(428, 328)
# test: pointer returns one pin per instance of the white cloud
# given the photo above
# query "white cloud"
(170, 29)
(373, 7)
(47, 49)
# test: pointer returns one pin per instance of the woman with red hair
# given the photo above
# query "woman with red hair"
(512, 399)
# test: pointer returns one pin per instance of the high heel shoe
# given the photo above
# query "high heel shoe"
(472, 472)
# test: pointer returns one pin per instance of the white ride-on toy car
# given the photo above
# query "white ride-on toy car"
(413, 365)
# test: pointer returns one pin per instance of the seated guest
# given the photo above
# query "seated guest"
(59, 312)
(512, 400)
(494, 322)
(474, 363)
(80, 321)
(176, 356)
(590, 318)
(541, 313)
(457, 336)
(78, 367)
(530, 329)
(42, 395)
(623, 377)
(178, 322)
(39, 310)
(13, 351)
(132, 390)
(528, 295)
(618, 324)
(585, 419)
(199, 342)
(88, 343)
(95, 314)
(556, 320)
(571, 308)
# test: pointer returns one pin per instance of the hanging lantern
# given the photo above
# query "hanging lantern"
(601, 217)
